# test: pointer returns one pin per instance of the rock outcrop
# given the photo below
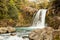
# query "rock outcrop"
(53, 15)
(10, 29)
(6, 30)
(47, 33)
(42, 34)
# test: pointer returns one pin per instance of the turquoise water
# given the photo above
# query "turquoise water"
(20, 32)
(23, 30)
(19, 29)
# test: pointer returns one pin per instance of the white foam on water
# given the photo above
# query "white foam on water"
(39, 20)
(14, 38)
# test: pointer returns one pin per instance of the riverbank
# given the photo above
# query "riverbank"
(9, 29)
(47, 33)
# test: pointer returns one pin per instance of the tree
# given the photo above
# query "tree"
(3, 9)
(12, 10)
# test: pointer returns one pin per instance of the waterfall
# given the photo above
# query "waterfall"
(39, 20)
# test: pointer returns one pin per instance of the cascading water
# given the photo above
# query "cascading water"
(39, 20)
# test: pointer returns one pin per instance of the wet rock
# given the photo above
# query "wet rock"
(3, 30)
(10, 29)
(6, 30)
(42, 34)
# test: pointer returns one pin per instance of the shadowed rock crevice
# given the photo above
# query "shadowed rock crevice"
(53, 15)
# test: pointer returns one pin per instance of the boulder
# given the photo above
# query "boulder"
(6, 30)
(3, 30)
(42, 34)
(10, 29)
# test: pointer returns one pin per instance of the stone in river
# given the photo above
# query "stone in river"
(6, 30)
(41, 34)
(11, 29)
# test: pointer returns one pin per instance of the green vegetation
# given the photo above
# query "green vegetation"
(3, 9)
(18, 12)
(22, 12)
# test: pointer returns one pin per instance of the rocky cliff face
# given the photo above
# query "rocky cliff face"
(53, 15)
(26, 17)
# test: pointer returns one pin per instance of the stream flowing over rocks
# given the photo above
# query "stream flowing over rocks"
(46, 33)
